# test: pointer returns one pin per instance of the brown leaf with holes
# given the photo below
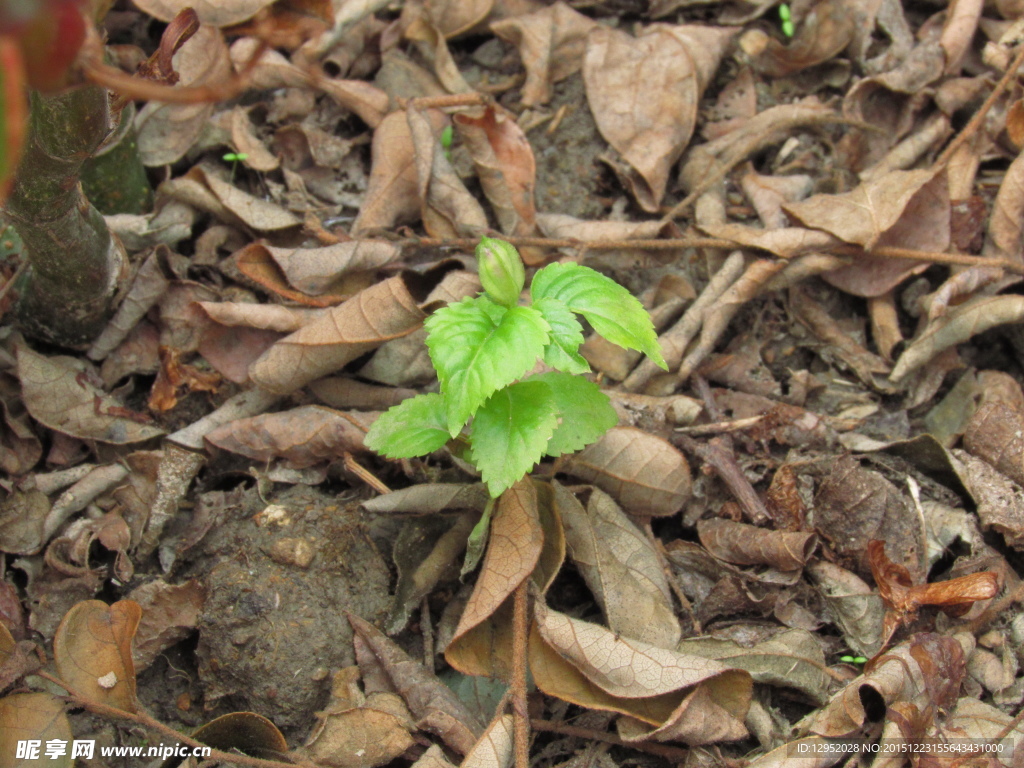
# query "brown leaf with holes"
(93, 651)
(504, 164)
(303, 437)
(670, 66)
(665, 695)
(384, 311)
(428, 698)
(551, 43)
(644, 473)
(743, 544)
(619, 565)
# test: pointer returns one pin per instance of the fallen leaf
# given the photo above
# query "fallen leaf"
(93, 643)
(494, 748)
(35, 717)
(647, 475)
(744, 544)
(170, 613)
(245, 732)
(217, 14)
(823, 33)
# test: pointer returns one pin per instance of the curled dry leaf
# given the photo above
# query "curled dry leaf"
(393, 193)
(505, 165)
(342, 392)
(903, 598)
(303, 437)
(671, 66)
(921, 672)
(218, 14)
(744, 544)
(620, 567)
(1005, 235)
(60, 393)
(551, 43)
(167, 131)
(93, 651)
(430, 499)
(317, 271)
(384, 311)
(149, 285)
(974, 316)
(244, 732)
(455, 17)
(793, 658)
(854, 606)
(447, 208)
(494, 749)
(646, 474)
(666, 695)
(429, 700)
(513, 551)
(253, 151)
(36, 717)
(826, 30)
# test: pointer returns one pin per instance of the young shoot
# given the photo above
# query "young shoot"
(483, 347)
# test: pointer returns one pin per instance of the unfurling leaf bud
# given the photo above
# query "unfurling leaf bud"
(501, 270)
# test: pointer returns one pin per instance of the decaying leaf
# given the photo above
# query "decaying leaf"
(170, 612)
(744, 544)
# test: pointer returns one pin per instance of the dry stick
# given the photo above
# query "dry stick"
(724, 463)
(975, 123)
(146, 721)
(673, 754)
(520, 713)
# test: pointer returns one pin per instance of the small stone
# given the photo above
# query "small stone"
(289, 551)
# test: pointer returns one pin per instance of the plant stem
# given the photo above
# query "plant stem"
(74, 264)
(520, 713)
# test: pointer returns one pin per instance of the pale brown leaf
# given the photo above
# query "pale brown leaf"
(93, 651)
(822, 34)
(454, 17)
(620, 567)
(214, 12)
(34, 717)
(643, 472)
(170, 613)
(1004, 237)
(494, 749)
(303, 437)
(430, 499)
(392, 197)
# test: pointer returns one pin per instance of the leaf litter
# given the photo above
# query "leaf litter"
(826, 230)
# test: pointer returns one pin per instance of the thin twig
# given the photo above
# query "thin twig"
(520, 713)
(146, 721)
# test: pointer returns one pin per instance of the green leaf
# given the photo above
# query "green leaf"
(511, 432)
(414, 427)
(585, 411)
(478, 347)
(566, 337)
(613, 311)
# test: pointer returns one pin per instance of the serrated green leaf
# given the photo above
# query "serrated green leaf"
(613, 311)
(585, 412)
(511, 432)
(566, 337)
(478, 347)
(414, 427)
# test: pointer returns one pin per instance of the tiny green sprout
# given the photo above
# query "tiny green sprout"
(854, 659)
(484, 349)
(234, 157)
(787, 20)
(446, 141)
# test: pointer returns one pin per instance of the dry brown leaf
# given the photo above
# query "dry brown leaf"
(384, 311)
(620, 567)
(447, 208)
(35, 717)
(213, 12)
(647, 475)
(494, 749)
(787, 242)
(426, 696)
(264, 317)
(853, 605)
(430, 499)
(744, 544)
(22, 515)
(20, 448)
(974, 316)
(431, 44)
(343, 393)
(244, 732)
(666, 694)
(93, 651)
(174, 376)
(903, 675)
(551, 44)
(170, 613)
(303, 437)
(393, 194)
(822, 34)
(505, 165)
(995, 434)
(671, 66)
(513, 551)
(167, 131)
(958, 32)
(244, 141)
(854, 505)
(1004, 238)
(256, 262)
(60, 393)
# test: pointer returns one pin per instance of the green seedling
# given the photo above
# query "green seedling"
(788, 29)
(854, 659)
(483, 348)
(233, 158)
(446, 141)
